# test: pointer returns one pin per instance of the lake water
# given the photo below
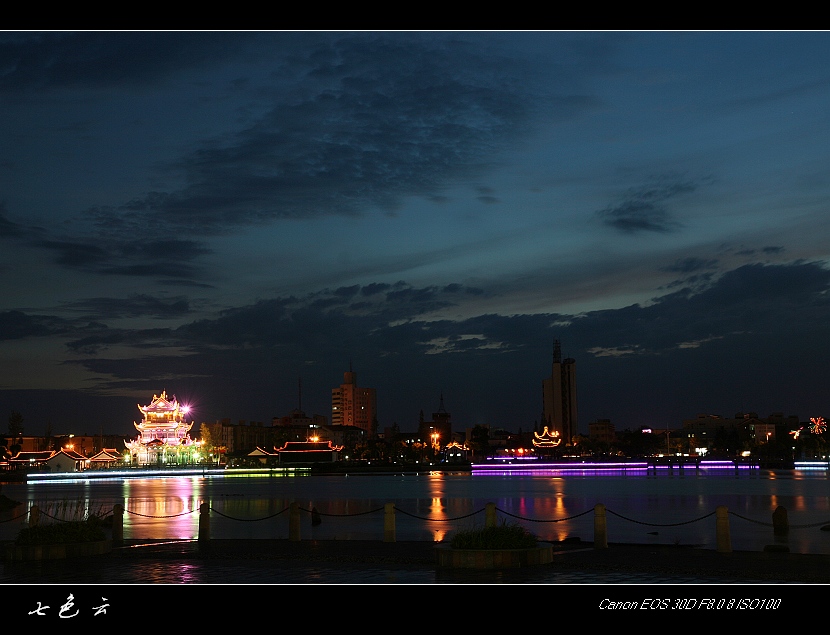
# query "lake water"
(642, 508)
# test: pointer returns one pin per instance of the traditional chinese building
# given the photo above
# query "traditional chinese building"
(163, 434)
(308, 452)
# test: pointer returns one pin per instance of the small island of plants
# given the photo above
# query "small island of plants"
(75, 531)
(504, 536)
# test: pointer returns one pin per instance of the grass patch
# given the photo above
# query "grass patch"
(61, 533)
(73, 521)
(504, 536)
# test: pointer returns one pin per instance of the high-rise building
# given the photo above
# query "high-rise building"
(354, 406)
(559, 412)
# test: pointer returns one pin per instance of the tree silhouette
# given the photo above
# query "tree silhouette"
(15, 431)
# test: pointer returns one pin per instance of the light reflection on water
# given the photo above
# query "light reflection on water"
(641, 508)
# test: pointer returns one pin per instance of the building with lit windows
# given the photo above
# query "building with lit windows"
(352, 405)
(163, 434)
(559, 411)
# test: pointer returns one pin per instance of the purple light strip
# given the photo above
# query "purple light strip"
(577, 467)
(564, 466)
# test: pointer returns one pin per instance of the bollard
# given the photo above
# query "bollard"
(294, 522)
(204, 525)
(780, 524)
(724, 540)
(389, 522)
(490, 515)
(34, 516)
(315, 517)
(118, 525)
(600, 528)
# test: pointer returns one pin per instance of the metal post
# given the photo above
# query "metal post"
(204, 525)
(389, 522)
(34, 516)
(724, 540)
(600, 527)
(294, 522)
(780, 524)
(118, 525)
(490, 515)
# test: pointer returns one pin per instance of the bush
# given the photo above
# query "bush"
(58, 533)
(502, 537)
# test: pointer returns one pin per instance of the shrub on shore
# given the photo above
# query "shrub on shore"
(58, 533)
(504, 536)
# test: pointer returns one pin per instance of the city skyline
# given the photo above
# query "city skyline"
(220, 214)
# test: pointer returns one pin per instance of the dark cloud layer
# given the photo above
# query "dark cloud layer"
(36, 61)
(352, 135)
(745, 329)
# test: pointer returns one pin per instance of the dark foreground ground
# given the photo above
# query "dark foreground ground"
(284, 562)
(669, 560)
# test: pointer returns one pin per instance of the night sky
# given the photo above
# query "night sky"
(229, 215)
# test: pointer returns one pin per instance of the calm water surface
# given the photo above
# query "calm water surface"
(641, 508)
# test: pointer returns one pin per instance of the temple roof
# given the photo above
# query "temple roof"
(161, 403)
(308, 446)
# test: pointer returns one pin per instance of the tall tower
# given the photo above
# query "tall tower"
(441, 425)
(559, 397)
(354, 406)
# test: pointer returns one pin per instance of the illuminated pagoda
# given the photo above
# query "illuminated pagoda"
(163, 434)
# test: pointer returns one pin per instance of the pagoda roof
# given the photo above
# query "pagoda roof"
(107, 454)
(161, 403)
(260, 452)
(308, 446)
(71, 454)
(29, 457)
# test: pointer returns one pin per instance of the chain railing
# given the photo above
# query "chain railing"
(779, 522)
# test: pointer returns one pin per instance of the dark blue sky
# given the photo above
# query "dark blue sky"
(223, 214)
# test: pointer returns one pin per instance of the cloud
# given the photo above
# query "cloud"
(166, 257)
(18, 325)
(8, 229)
(732, 336)
(688, 265)
(359, 123)
(139, 305)
(644, 208)
(38, 61)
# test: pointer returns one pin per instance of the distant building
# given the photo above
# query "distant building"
(243, 437)
(298, 418)
(440, 425)
(352, 405)
(348, 436)
(602, 430)
(30, 460)
(701, 430)
(559, 412)
(62, 460)
(294, 452)
(66, 461)
(106, 458)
